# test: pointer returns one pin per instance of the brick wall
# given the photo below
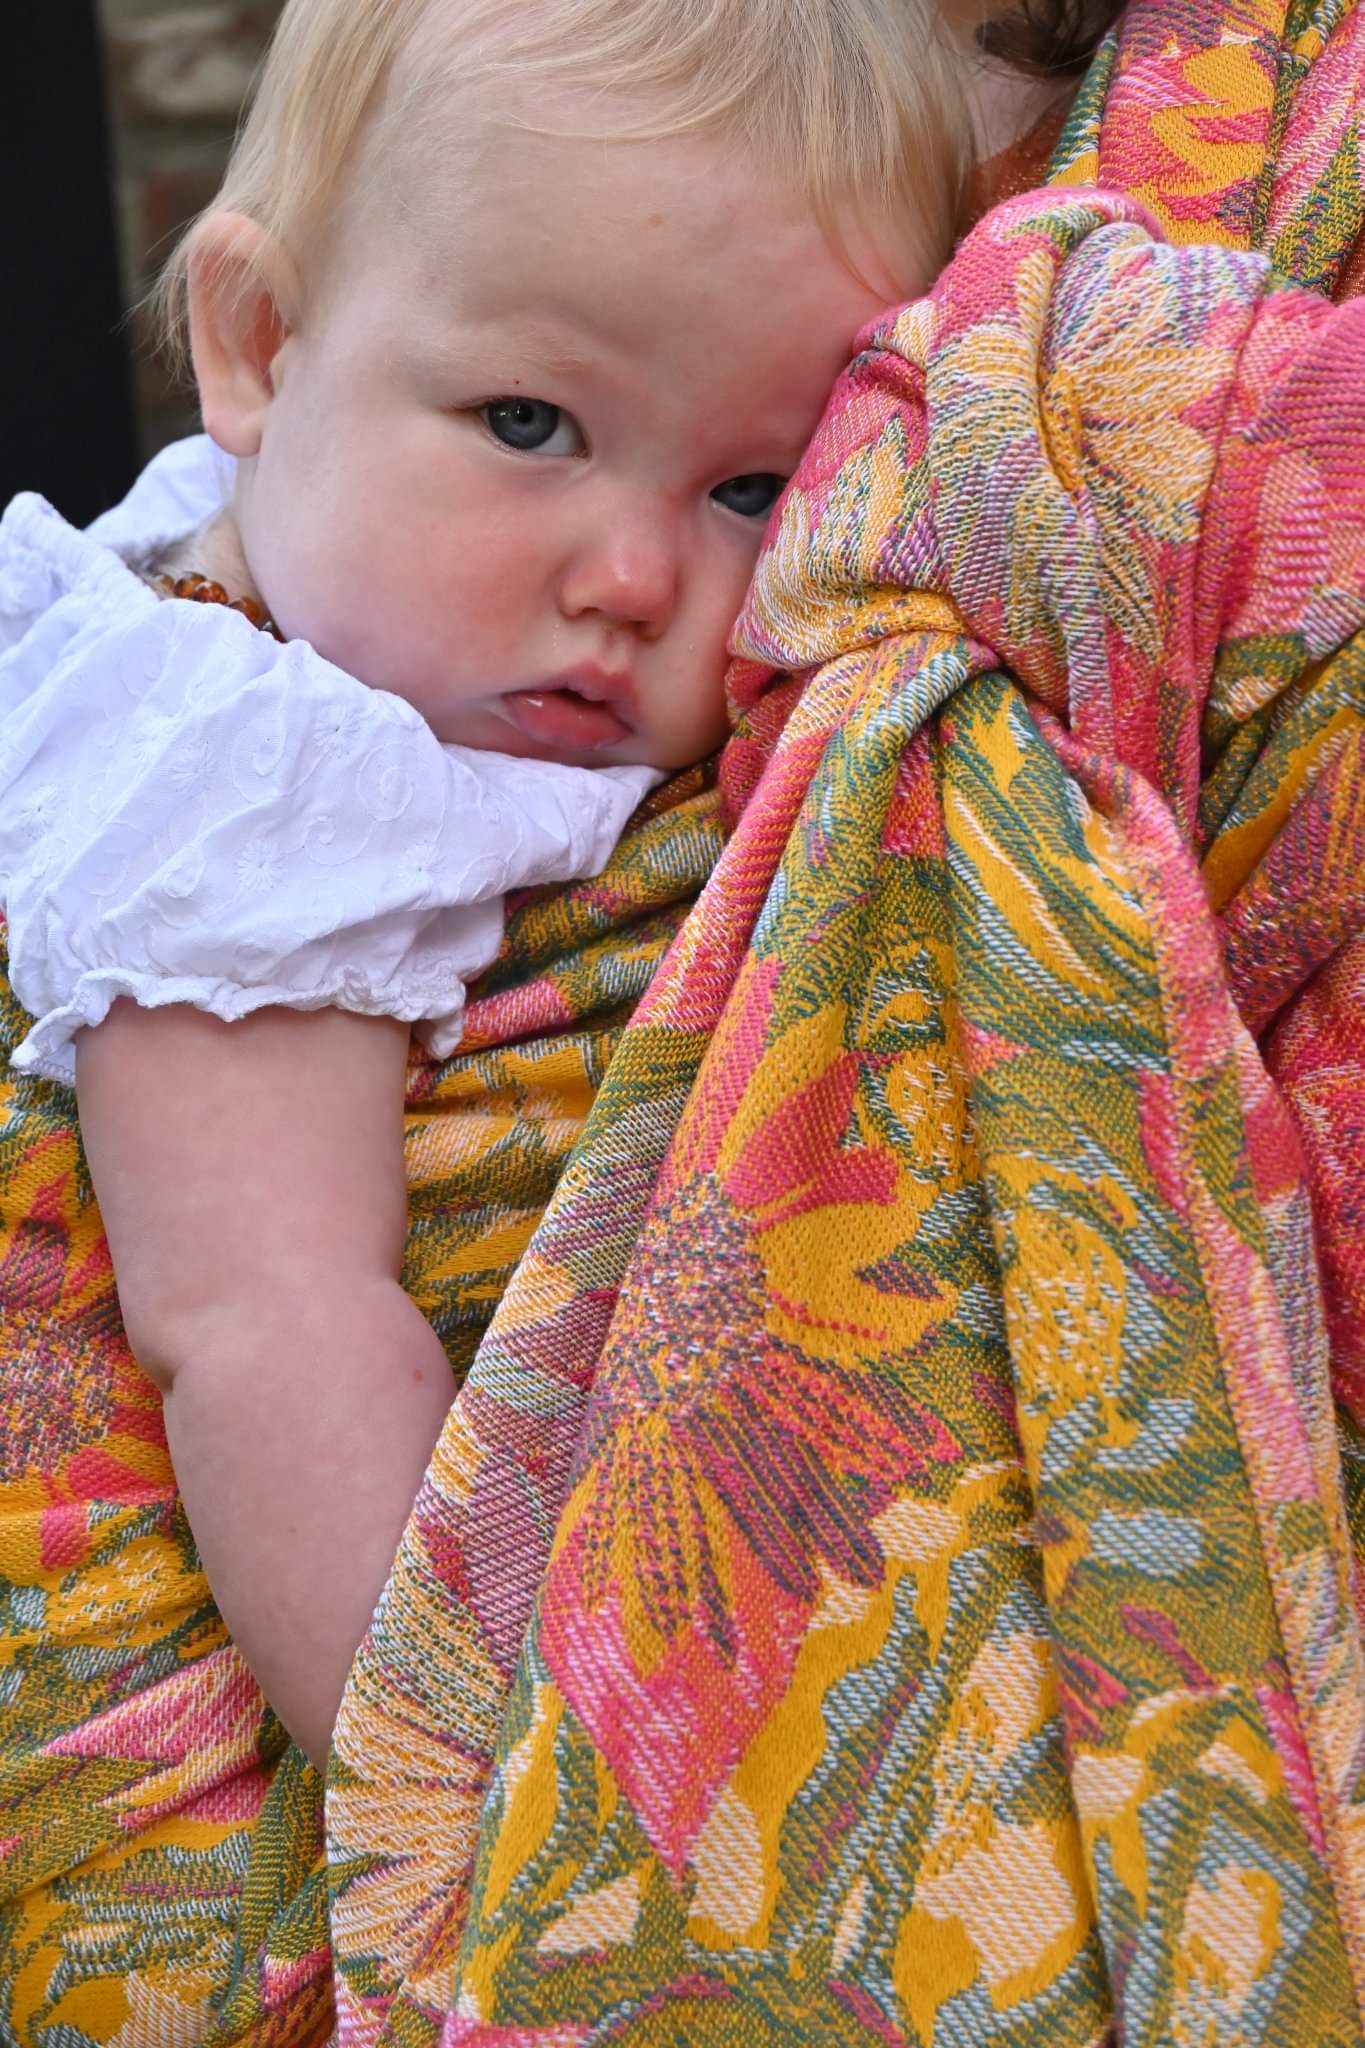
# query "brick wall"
(178, 72)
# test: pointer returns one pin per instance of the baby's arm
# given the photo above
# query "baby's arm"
(251, 1181)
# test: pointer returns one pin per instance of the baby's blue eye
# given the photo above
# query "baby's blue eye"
(533, 426)
(753, 497)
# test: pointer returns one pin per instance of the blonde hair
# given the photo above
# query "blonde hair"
(858, 104)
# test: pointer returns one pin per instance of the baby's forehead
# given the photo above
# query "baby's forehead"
(463, 149)
(426, 114)
(501, 187)
(552, 214)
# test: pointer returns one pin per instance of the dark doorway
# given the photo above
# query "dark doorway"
(66, 414)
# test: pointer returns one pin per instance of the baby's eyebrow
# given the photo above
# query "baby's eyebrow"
(525, 343)
(558, 348)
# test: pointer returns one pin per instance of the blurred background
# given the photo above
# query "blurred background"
(115, 121)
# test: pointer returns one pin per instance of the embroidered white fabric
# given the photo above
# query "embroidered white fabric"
(192, 813)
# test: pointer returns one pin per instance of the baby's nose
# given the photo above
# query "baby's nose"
(627, 571)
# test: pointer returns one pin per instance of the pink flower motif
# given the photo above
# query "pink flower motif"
(727, 1472)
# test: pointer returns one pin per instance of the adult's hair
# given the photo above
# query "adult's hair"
(1048, 38)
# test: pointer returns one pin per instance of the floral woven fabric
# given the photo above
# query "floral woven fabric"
(887, 1577)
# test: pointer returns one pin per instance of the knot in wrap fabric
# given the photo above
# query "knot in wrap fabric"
(888, 1576)
(1130, 475)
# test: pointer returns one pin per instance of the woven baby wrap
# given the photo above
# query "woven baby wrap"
(886, 1576)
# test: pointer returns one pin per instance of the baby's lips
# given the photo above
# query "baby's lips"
(562, 717)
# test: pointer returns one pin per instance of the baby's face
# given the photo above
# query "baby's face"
(522, 449)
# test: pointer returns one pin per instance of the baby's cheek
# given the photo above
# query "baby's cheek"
(690, 719)
(713, 717)
(400, 627)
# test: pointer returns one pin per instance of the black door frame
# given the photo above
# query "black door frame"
(67, 424)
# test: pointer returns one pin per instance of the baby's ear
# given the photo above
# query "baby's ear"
(242, 291)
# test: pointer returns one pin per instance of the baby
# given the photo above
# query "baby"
(508, 326)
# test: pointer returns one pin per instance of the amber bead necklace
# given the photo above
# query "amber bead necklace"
(203, 590)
